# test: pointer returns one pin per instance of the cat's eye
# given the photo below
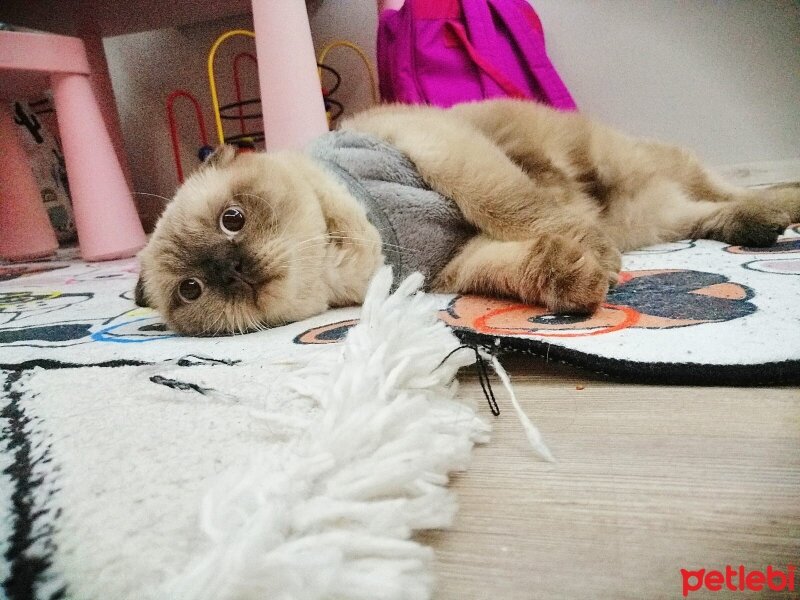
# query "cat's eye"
(231, 220)
(190, 289)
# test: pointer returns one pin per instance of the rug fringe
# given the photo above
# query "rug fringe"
(331, 516)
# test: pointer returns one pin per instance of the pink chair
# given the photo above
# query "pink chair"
(105, 214)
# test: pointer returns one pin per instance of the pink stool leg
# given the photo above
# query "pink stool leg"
(25, 230)
(104, 91)
(105, 215)
(291, 92)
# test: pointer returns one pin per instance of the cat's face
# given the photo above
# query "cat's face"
(240, 247)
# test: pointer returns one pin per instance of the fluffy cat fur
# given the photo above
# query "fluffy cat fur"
(554, 196)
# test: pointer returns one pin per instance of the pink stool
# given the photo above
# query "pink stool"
(25, 231)
(105, 215)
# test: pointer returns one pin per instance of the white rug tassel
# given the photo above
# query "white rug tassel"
(330, 511)
(531, 431)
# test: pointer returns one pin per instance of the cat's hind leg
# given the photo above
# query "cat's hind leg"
(748, 217)
(665, 193)
(754, 222)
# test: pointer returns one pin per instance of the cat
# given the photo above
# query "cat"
(544, 201)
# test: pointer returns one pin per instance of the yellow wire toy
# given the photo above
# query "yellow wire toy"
(212, 84)
(212, 79)
(370, 71)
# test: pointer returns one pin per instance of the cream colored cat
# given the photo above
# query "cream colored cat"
(548, 201)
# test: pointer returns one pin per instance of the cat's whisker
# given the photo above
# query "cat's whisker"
(268, 201)
(365, 240)
(354, 239)
(330, 236)
(258, 325)
(317, 238)
(237, 325)
(256, 196)
(214, 328)
(164, 198)
(220, 323)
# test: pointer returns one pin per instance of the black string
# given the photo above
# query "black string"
(335, 73)
(256, 136)
(483, 376)
(225, 107)
(486, 385)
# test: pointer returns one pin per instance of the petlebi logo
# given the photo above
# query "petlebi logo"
(739, 579)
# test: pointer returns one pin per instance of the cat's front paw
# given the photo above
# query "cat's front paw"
(565, 277)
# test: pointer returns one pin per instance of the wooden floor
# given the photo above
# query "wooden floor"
(649, 480)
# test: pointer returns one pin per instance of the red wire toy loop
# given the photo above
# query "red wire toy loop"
(173, 127)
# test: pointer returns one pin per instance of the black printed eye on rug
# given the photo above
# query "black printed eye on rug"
(690, 312)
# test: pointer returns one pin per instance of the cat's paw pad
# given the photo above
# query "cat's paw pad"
(612, 263)
(565, 278)
(606, 253)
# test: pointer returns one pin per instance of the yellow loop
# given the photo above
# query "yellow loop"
(211, 78)
(364, 59)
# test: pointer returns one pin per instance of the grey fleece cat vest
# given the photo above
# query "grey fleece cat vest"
(421, 230)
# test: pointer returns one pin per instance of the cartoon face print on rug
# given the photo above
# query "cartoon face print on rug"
(132, 327)
(666, 248)
(779, 266)
(644, 299)
(118, 270)
(658, 299)
(22, 305)
(327, 334)
(18, 308)
(788, 245)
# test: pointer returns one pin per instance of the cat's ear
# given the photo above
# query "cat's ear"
(139, 295)
(219, 157)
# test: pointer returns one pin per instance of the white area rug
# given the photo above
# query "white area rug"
(64, 311)
(690, 312)
(283, 464)
(300, 477)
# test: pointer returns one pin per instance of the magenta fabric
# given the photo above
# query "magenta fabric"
(442, 52)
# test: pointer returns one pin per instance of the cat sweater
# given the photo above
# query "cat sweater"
(421, 230)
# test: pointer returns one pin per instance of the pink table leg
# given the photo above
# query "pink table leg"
(105, 215)
(291, 94)
(25, 230)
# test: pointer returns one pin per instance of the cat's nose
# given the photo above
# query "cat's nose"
(224, 271)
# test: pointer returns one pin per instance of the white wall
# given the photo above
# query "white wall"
(145, 68)
(721, 77)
